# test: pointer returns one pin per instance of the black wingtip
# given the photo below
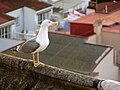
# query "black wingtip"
(95, 83)
(14, 50)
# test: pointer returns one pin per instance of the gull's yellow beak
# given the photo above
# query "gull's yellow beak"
(54, 23)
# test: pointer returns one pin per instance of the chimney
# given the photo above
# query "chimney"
(97, 29)
(114, 1)
(106, 9)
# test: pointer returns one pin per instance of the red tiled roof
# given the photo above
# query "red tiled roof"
(113, 28)
(10, 5)
(5, 18)
(2, 6)
(108, 19)
(111, 7)
(89, 19)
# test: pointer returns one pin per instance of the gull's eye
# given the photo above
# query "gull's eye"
(49, 22)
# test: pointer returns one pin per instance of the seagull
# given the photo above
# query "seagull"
(106, 85)
(38, 43)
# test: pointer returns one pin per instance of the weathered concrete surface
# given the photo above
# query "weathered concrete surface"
(20, 74)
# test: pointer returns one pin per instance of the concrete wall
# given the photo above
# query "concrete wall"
(112, 39)
(107, 64)
(106, 68)
(98, 30)
(20, 74)
(91, 39)
(18, 13)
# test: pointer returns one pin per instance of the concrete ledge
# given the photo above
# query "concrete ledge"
(73, 78)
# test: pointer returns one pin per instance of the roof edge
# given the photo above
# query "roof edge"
(102, 57)
(7, 23)
(44, 9)
(76, 36)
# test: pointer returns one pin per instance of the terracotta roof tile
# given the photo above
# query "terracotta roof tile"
(34, 4)
(5, 18)
(113, 28)
(108, 19)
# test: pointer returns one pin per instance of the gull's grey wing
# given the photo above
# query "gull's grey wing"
(29, 46)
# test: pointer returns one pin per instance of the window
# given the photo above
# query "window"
(39, 18)
(5, 32)
(17, 20)
(43, 16)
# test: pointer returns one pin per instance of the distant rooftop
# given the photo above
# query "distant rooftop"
(6, 6)
(111, 7)
(67, 4)
(107, 19)
(113, 28)
(70, 53)
(5, 18)
(10, 5)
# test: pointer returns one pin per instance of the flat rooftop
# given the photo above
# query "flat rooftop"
(68, 52)
(8, 43)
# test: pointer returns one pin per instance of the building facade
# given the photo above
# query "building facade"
(27, 17)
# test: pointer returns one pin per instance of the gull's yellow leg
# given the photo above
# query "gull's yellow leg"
(36, 62)
(38, 56)
(33, 56)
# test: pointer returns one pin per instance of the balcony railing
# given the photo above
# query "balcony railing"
(24, 36)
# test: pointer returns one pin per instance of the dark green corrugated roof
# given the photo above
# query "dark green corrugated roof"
(70, 53)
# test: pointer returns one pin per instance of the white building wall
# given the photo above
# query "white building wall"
(13, 30)
(30, 19)
(18, 13)
(106, 68)
(85, 5)
(27, 19)
(112, 39)
(70, 5)
(91, 39)
(89, 11)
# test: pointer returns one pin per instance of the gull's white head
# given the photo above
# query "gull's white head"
(48, 23)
